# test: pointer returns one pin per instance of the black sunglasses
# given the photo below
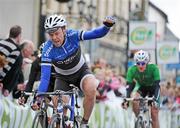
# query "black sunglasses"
(52, 30)
(141, 63)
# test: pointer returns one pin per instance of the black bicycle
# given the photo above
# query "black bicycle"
(144, 117)
(61, 120)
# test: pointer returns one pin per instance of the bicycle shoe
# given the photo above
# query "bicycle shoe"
(84, 126)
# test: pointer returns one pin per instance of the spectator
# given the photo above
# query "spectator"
(100, 63)
(35, 75)
(108, 82)
(27, 50)
(10, 73)
(177, 91)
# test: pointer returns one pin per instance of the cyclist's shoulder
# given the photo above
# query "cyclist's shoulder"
(71, 32)
(48, 46)
(132, 68)
(152, 66)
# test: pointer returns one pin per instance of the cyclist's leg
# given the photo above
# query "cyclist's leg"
(89, 86)
(135, 104)
(154, 114)
(135, 94)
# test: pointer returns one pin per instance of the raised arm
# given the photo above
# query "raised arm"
(99, 31)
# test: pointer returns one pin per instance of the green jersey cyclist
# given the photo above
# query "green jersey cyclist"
(63, 52)
(143, 80)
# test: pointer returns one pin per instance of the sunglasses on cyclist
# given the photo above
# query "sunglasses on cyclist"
(52, 30)
(141, 63)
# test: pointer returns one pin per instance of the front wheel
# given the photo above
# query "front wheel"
(77, 121)
(148, 124)
(40, 120)
(56, 122)
(139, 123)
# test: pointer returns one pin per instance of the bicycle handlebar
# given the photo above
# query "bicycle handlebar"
(59, 92)
(140, 98)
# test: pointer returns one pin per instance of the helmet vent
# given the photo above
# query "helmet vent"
(54, 24)
(55, 18)
(50, 20)
(58, 20)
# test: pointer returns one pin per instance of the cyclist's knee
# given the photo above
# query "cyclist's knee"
(90, 91)
(90, 85)
(135, 95)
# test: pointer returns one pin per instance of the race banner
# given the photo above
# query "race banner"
(142, 35)
(167, 52)
(106, 114)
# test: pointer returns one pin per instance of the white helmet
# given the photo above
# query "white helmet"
(141, 56)
(53, 22)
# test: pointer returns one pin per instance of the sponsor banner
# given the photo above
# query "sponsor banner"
(13, 115)
(142, 35)
(167, 52)
(106, 114)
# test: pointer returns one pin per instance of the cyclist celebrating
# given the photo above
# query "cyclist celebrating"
(63, 52)
(143, 80)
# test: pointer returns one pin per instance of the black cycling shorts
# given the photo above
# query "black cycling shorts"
(146, 91)
(62, 82)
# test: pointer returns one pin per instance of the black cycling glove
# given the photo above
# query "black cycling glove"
(109, 21)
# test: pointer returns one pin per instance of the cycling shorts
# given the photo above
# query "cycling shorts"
(63, 81)
(147, 91)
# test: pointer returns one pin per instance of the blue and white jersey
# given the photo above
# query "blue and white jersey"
(66, 59)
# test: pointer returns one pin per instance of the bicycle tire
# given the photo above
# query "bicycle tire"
(40, 120)
(149, 124)
(77, 121)
(56, 119)
(139, 123)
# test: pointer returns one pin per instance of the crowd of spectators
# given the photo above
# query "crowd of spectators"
(110, 80)
(170, 96)
(14, 53)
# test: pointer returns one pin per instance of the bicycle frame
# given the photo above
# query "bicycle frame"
(59, 113)
(143, 122)
(70, 107)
